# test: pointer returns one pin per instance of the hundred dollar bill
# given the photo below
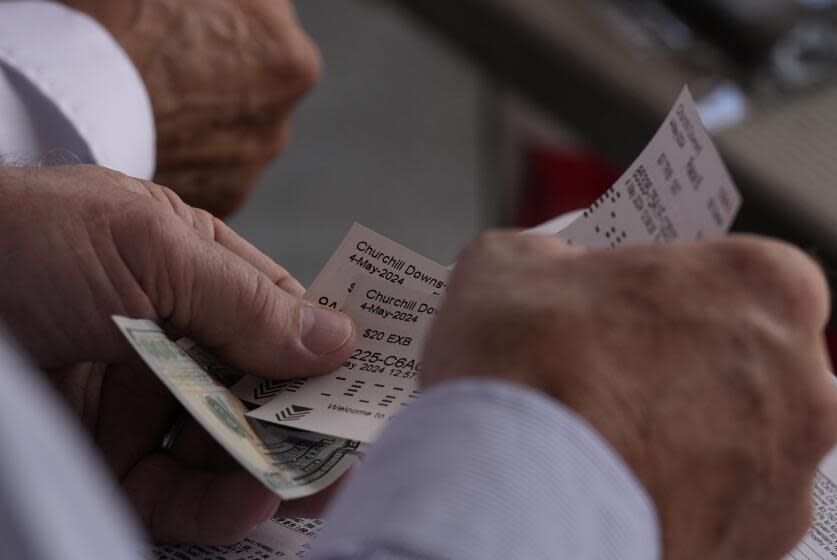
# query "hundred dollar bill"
(291, 463)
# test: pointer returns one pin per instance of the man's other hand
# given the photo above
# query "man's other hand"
(80, 244)
(703, 365)
(223, 79)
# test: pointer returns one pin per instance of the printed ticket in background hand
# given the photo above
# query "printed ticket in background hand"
(678, 189)
(293, 464)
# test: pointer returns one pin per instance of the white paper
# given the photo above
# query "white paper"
(820, 542)
(363, 253)
(381, 376)
(275, 538)
(678, 189)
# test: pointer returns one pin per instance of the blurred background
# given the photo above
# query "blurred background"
(436, 119)
(391, 137)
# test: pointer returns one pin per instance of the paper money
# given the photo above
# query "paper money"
(292, 463)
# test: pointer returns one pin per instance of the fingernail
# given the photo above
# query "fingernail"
(323, 330)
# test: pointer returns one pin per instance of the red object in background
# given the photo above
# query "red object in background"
(561, 180)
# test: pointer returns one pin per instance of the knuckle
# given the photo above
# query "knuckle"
(782, 276)
(821, 431)
(263, 305)
(204, 223)
(281, 313)
(202, 215)
(300, 62)
(493, 248)
(110, 178)
(310, 64)
(512, 244)
(642, 265)
(484, 244)
(170, 195)
(262, 309)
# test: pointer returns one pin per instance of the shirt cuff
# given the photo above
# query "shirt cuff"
(488, 470)
(78, 68)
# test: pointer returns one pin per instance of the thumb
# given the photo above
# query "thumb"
(226, 304)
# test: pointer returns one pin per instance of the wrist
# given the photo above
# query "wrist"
(476, 460)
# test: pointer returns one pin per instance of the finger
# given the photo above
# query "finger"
(229, 306)
(132, 401)
(821, 412)
(209, 227)
(780, 276)
(180, 504)
(226, 237)
(508, 246)
(195, 448)
(316, 506)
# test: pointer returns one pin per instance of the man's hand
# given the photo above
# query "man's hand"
(80, 244)
(223, 79)
(701, 364)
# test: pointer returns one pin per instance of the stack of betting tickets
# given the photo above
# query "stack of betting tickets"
(299, 436)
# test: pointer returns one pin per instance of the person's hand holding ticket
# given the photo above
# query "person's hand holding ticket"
(86, 242)
(703, 365)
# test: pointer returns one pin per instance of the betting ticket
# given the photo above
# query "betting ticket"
(379, 378)
(363, 254)
(678, 189)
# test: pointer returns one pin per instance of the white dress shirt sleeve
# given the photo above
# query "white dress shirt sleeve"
(57, 500)
(65, 84)
(490, 471)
